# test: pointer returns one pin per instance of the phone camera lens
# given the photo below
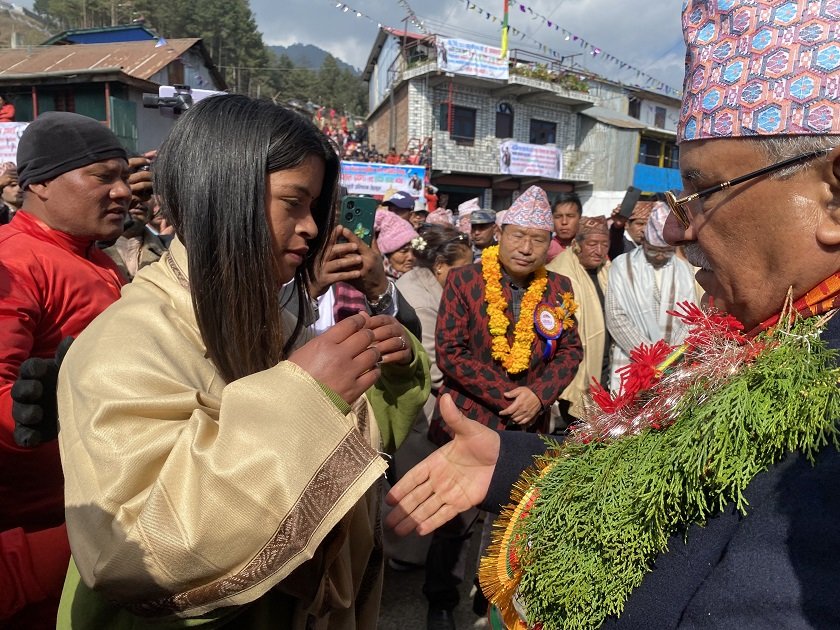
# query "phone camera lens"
(358, 211)
(348, 216)
(351, 204)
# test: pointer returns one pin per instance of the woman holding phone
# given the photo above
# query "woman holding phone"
(222, 469)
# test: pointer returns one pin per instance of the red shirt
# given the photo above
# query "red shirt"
(7, 113)
(52, 285)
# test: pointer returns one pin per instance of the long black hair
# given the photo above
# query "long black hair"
(211, 177)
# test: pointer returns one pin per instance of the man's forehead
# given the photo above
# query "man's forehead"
(714, 160)
(515, 229)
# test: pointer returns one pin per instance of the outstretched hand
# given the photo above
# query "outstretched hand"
(454, 478)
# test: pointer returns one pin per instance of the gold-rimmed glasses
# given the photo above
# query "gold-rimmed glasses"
(679, 206)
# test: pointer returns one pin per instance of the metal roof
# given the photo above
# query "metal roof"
(103, 34)
(139, 60)
(614, 118)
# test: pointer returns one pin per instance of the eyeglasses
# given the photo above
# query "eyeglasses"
(680, 210)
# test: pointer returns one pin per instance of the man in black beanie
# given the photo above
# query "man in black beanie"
(53, 282)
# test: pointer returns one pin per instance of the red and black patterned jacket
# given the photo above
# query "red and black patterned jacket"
(472, 377)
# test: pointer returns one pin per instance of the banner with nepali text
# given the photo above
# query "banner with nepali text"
(537, 160)
(369, 178)
(459, 56)
(9, 137)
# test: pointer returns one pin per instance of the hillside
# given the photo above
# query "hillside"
(309, 56)
(28, 29)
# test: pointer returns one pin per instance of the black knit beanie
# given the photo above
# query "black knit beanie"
(58, 142)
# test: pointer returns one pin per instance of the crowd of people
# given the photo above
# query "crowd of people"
(351, 139)
(238, 378)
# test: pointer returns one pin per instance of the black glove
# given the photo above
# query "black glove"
(34, 406)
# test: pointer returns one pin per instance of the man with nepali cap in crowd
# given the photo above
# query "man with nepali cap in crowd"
(730, 519)
(507, 345)
(585, 263)
(626, 234)
(54, 281)
(11, 195)
(643, 290)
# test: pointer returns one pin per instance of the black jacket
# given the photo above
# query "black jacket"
(778, 567)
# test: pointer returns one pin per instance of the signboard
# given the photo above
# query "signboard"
(536, 160)
(9, 137)
(369, 178)
(459, 56)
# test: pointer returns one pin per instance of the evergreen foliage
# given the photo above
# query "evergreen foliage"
(605, 511)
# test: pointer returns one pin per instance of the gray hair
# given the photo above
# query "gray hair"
(778, 148)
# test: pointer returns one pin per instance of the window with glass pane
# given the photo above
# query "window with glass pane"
(649, 151)
(672, 155)
(504, 121)
(659, 117)
(463, 122)
(543, 132)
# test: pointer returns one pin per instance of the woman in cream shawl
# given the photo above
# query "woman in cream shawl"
(221, 470)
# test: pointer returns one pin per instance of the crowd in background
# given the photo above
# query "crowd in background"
(351, 138)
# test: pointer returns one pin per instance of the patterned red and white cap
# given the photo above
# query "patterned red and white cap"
(530, 210)
(760, 68)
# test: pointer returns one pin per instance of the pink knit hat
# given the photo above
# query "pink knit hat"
(392, 231)
(760, 68)
(530, 210)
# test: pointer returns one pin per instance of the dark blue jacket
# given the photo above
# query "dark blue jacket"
(776, 568)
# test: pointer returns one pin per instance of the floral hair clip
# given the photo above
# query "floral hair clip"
(419, 244)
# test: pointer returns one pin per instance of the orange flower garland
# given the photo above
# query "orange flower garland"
(516, 358)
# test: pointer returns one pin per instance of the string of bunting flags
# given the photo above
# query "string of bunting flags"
(412, 18)
(595, 51)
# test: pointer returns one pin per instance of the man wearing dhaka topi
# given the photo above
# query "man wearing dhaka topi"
(507, 345)
(704, 493)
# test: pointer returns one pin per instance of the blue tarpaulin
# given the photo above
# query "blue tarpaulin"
(656, 179)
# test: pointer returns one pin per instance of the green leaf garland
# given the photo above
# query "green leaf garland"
(605, 510)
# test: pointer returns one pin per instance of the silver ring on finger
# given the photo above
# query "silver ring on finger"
(403, 344)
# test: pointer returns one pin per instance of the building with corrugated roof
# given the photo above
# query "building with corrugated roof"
(106, 82)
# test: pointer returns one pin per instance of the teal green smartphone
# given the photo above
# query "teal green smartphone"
(357, 215)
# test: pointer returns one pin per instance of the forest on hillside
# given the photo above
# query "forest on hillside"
(236, 46)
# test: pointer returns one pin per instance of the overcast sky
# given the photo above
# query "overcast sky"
(643, 33)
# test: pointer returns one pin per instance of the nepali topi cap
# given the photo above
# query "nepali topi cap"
(642, 210)
(468, 207)
(530, 210)
(655, 228)
(760, 68)
(593, 225)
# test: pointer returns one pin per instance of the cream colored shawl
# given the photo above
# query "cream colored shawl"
(590, 318)
(186, 494)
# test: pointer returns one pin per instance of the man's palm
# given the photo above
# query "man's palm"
(451, 480)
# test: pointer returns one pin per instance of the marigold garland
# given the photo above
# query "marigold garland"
(516, 358)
